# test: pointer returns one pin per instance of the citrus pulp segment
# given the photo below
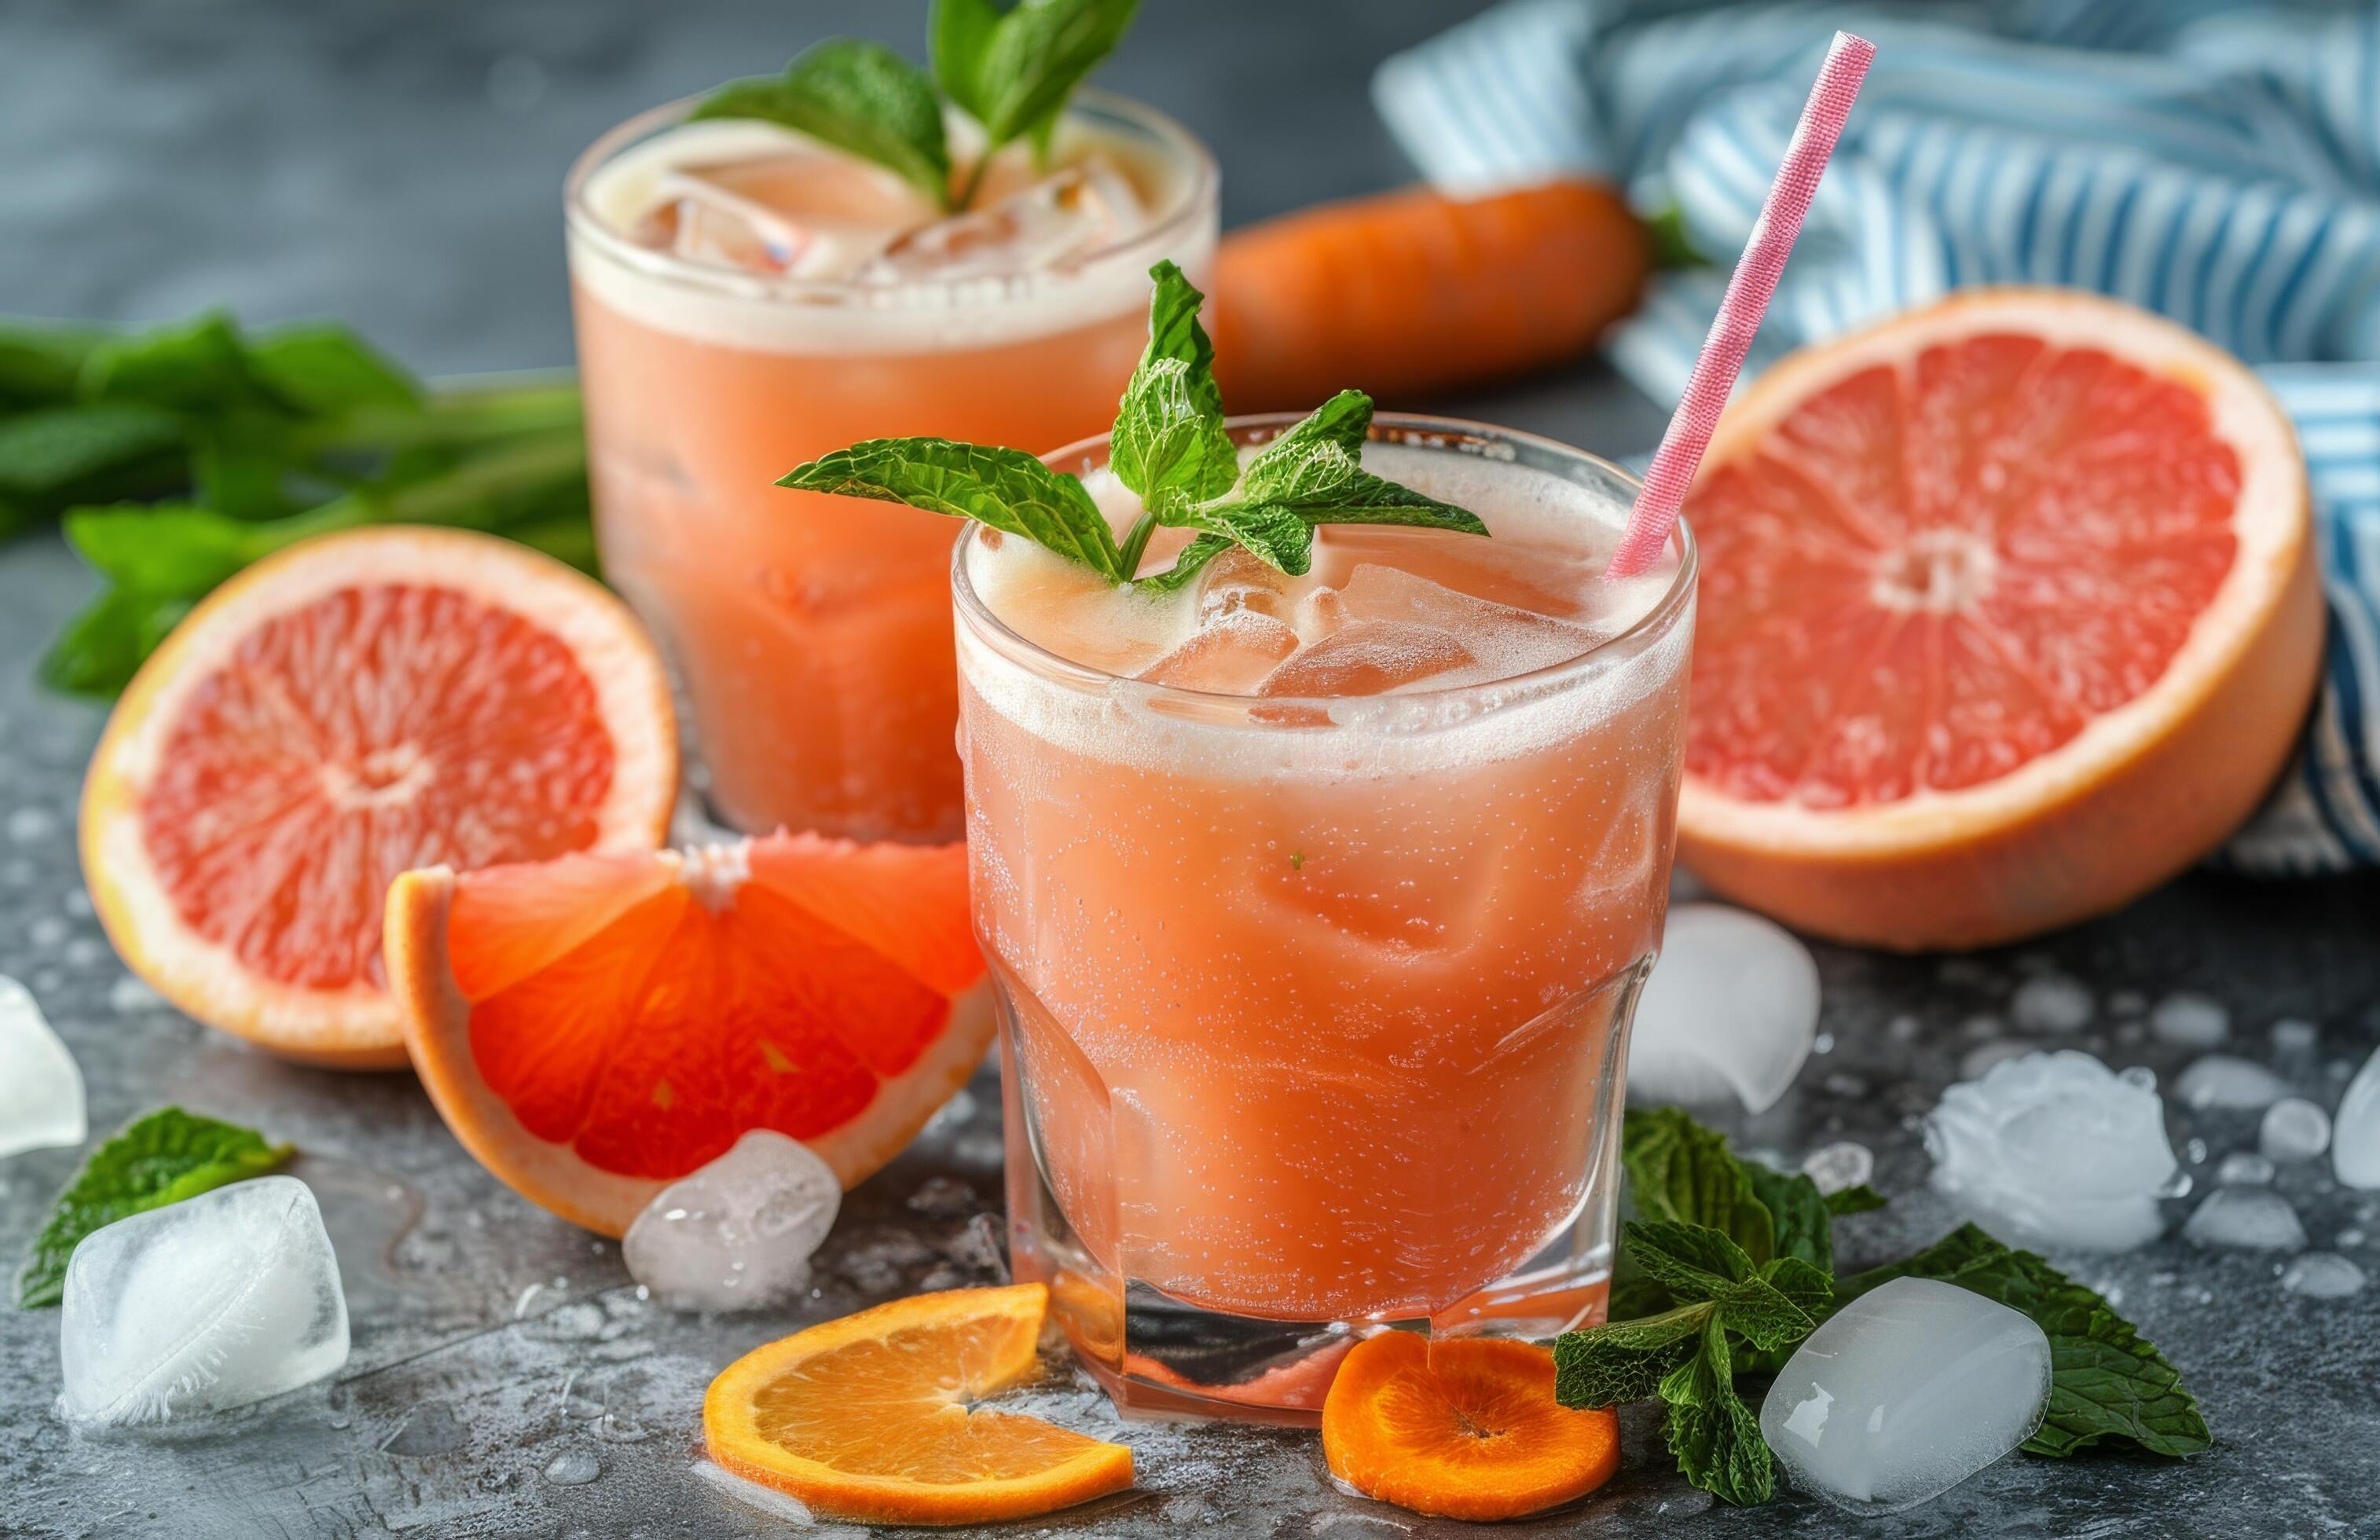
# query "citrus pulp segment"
(2009, 612)
(352, 706)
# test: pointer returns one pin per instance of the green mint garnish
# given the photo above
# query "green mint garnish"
(161, 1157)
(858, 96)
(1011, 67)
(177, 455)
(1170, 446)
(1730, 1266)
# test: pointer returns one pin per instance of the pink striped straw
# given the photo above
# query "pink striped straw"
(1748, 292)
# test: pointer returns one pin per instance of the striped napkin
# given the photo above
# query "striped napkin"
(2213, 160)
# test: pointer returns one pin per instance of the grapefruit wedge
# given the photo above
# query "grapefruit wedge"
(594, 1027)
(2009, 612)
(357, 704)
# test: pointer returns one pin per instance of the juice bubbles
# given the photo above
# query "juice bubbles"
(747, 299)
(1318, 906)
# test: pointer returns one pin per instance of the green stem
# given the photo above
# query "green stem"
(1136, 545)
(974, 183)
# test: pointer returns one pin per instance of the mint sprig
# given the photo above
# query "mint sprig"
(1011, 67)
(1730, 1266)
(1171, 447)
(158, 1158)
(858, 96)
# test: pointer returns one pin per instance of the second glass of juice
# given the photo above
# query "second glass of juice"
(747, 299)
(1316, 908)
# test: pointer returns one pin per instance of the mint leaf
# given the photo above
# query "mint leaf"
(199, 367)
(162, 1157)
(1711, 1433)
(1169, 442)
(958, 33)
(858, 96)
(1006, 489)
(165, 549)
(1800, 1222)
(323, 369)
(1315, 468)
(1186, 564)
(1681, 1171)
(1033, 58)
(1694, 1262)
(1811, 1288)
(1859, 1199)
(2105, 1383)
(41, 362)
(1607, 1366)
(1275, 536)
(59, 455)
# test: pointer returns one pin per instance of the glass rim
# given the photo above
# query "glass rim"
(1444, 435)
(581, 220)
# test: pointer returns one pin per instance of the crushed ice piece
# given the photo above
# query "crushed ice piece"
(2189, 1020)
(208, 1304)
(1730, 1011)
(1905, 1392)
(572, 1468)
(2219, 1080)
(1368, 657)
(1228, 655)
(1837, 1165)
(698, 217)
(2245, 1218)
(2323, 1274)
(2051, 1003)
(1979, 1059)
(737, 1234)
(1058, 220)
(41, 1089)
(2056, 1150)
(944, 1197)
(2355, 1128)
(2294, 1129)
(2290, 1036)
(2244, 1168)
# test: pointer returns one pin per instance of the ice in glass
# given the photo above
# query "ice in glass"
(747, 297)
(1318, 906)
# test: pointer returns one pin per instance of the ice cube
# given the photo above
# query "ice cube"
(2294, 1129)
(41, 1089)
(2190, 1020)
(1507, 640)
(1730, 1011)
(1905, 1392)
(2355, 1129)
(1837, 1165)
(2245, 1218)
(2220, 1080)
(1057, 221)
(1231, 654)
(2323, 1274)
(208, 1304)
(1367, 657)
(737, 1234)
(696, 217)
(1238, 580)
(2051, 1003)
(2057, 1150)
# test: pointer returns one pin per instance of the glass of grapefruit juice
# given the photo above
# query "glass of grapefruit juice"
(744, 297)
(1317, 908)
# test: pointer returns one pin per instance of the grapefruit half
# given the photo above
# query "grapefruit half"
(355, 706)
(2009, 612)
(594, 1027)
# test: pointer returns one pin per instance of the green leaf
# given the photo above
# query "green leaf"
(1035, 57)
(1799, 1218)
(1006, 489)
(56, 455)
(1694, 1262)
(2107, 1384)
(1858, 1199)
(1713, 1435)
(1169, 443)
(199, 367)
(1672, 247)
(324, 369)
(1186, 564)
(958, 32)
(42, 362)
(1277, 536)
(102, 646)
(1626, 1360)
(1682, 1172)
(162, 1157)
(1811, 1288)
(858, 96)
(166, 551)
(1762, 1315)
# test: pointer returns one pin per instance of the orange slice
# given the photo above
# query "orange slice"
(871, 1417)
(357, 704)
(1466, 1428)
(596, 1027)
(2009, 612)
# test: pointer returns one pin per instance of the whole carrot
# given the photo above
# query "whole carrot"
(1411, 293)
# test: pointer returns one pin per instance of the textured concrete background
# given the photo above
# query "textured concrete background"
(397, 163)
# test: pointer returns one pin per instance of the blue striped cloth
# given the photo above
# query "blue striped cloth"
(2213, 160)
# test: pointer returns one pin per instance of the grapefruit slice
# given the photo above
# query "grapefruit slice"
(357, 704)
(872, 1416)
(596, 1027)
(2009, 612)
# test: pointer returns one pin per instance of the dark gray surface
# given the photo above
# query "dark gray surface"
(397, 164)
